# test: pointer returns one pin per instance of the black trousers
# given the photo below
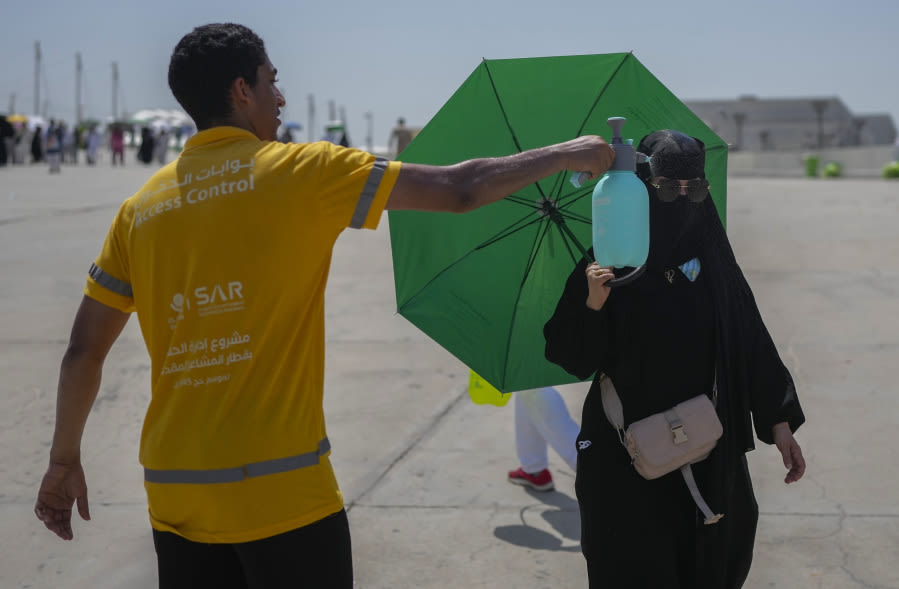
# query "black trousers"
(317, 556)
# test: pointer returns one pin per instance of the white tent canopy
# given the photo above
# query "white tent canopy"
(159, 116)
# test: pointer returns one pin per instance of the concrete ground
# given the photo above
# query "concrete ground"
(423, 468)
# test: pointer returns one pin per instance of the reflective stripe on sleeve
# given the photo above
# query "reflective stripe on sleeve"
(238, 473)
(108, 282)
(368, 193)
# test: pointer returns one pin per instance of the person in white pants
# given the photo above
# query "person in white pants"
(542, 420)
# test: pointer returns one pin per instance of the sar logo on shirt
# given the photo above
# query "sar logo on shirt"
(219, 298)
(208, 300)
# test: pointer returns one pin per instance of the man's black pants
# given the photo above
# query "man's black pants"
(317, 556)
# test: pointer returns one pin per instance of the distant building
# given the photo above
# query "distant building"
(765, 124)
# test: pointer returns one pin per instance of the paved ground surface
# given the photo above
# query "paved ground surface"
(422, 468)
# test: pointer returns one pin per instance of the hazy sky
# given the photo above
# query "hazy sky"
(405, 58)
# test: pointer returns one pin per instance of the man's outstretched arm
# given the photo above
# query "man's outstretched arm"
(95, 329)
(474, 183)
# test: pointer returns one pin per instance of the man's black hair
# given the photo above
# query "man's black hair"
(205, 63)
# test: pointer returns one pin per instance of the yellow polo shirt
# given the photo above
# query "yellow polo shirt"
(224, 254)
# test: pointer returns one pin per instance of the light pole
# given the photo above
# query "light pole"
(820, 106)
(739, 119)
(311, 118)
(370, 131)
(77, 89)
(37, 77)
(115, 91)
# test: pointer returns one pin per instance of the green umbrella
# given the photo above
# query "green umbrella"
(483, 284)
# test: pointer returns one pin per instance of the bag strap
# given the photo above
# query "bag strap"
(611, 406)
(710, 517)
(611, 402)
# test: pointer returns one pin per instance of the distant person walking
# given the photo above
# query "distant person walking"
(70, 138)
(37, 145)
(117, 144)
(161, 146)
(54, 146)
(6, 134)
(400, 137)
(92, 145)
(145, 151)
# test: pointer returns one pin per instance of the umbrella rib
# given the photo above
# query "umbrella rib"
(502, 109)
(566, 235)
(520, 200)
(510, 230)
(575, 217)
(541, 237)
(569, 198)
(601, 92)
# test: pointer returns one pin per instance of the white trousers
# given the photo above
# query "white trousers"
(541, 420)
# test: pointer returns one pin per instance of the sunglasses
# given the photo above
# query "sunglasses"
(669, 189)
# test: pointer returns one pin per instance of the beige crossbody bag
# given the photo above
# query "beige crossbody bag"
(670, 440)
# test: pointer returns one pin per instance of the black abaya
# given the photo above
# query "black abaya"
(662, 339)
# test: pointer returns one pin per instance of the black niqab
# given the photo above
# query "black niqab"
(674, 226)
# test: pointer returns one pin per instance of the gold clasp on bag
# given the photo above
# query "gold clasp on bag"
(677, 426)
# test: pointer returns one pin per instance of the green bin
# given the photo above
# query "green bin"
(811, 166)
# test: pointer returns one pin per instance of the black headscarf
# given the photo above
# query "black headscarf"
(675, 227)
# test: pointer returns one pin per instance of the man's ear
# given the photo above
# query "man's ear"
(240, 92)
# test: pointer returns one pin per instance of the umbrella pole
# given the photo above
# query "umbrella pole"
(566, 231)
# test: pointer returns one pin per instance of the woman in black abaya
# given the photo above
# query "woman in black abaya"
(688, 323)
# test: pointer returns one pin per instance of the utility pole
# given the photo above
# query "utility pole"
(310, 130)
(343, 122)
(739, 119)
(12, 103)
(332, 110)
(37, 77)
(368, 138)
(77, 88)
(115, 91)
(820, 106)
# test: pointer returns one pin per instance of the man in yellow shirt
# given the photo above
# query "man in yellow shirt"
(224, 255)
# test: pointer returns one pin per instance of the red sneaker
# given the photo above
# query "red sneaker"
(541, 481)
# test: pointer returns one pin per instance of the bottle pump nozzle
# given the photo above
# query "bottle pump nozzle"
(625, 154)
(616, 123)
(626, 157)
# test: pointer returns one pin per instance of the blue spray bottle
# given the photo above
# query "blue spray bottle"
(621, 211)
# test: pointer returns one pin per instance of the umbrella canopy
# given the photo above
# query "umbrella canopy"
(35, 121)
(483, 284)
(159, 125)
(16, 118)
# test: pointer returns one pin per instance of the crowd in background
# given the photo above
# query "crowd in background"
(54, 142)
